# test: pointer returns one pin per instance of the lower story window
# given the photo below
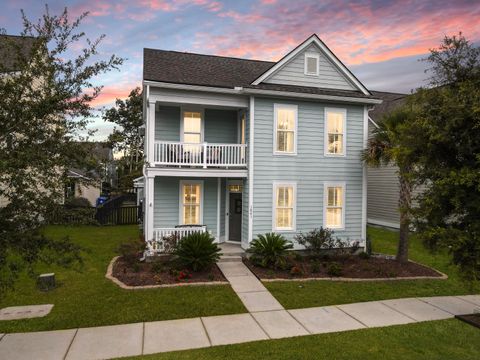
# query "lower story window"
(191, 203)
(334, 208)
(284, 206)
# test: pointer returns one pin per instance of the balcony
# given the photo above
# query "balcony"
(204, 155)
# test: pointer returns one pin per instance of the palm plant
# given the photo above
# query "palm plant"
(270, 250)
(197, 251)
(391, 144)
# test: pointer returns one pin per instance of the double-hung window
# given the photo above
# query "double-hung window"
(191, 202)
(284, 202)
(285, 135)
(334, 205)
(335, 127)
(192, 127)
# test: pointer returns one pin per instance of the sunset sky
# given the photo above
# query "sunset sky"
(380, 41)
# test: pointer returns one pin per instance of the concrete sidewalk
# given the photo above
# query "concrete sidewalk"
(162, 336)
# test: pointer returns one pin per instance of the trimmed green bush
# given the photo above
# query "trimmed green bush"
(197, 251)
(270, 250)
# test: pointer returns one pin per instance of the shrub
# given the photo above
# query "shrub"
(364, 255)
(296, 270)
(270, 250)
(170, 243)
(131, 251)
(158, 267)
(315, 267)
(317, 240)
(197, 251)
(77, 202)
(334, 269)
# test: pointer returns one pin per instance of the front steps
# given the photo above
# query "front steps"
(231, 252)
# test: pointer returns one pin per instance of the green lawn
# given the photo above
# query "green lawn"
(297, 294)
(87, 298)
(446, 339)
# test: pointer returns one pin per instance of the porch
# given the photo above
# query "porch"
(198, 136)
(182, 206)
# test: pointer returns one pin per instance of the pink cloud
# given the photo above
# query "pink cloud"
(357, 33)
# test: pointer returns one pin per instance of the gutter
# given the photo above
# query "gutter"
(250, 91)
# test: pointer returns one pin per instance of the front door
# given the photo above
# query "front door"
(235, 217)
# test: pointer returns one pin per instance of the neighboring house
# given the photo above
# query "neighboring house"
(90, 184)
(241, 147)
(80, 184)
(383, 185)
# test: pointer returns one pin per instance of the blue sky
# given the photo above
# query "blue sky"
(380, 41)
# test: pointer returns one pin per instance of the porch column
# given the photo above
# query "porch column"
(219, 196)
(149, 194)
(151, 132)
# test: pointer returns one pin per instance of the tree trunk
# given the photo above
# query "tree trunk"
(404, 204)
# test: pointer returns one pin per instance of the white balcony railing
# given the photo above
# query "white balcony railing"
(203, 155)
(162, 237)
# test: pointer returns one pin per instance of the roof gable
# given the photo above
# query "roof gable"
(333, 73)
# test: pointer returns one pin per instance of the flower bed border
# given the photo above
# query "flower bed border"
(109, 276)
(442, 276)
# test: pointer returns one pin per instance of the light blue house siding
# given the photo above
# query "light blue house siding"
(310, 169)
(220, 126)
(166, 202)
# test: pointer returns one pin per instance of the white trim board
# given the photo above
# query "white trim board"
(314, 39)
(199, 172)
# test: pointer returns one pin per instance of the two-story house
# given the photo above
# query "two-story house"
(240, 147)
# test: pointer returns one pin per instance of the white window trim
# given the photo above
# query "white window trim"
(312, 55)
(277, 184)
(295, 130)
(202, 121)
(325, 131)
(180, 200)
(326, 185)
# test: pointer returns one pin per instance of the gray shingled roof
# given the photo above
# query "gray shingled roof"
(219, 71)
(8, 52)
(389, 102)
(197, 69)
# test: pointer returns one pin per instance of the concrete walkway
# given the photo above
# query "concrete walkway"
(249, 289)
(162, 336)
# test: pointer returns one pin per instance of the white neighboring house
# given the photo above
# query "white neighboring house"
(81, 185)
(240, 147)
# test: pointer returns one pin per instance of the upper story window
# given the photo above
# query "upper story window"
(284, 198)
(334, 206)
(192, 127)
(312, 64)
(285, 136)
(335, 131)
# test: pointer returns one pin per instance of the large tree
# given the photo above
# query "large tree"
(447, 124)
(391, 145)
(46, 94)
(126, 138)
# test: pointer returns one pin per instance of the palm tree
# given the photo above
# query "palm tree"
(390, 144)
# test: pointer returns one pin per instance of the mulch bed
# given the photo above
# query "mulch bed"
(473, 319)
(351, 267)
(161, 272)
